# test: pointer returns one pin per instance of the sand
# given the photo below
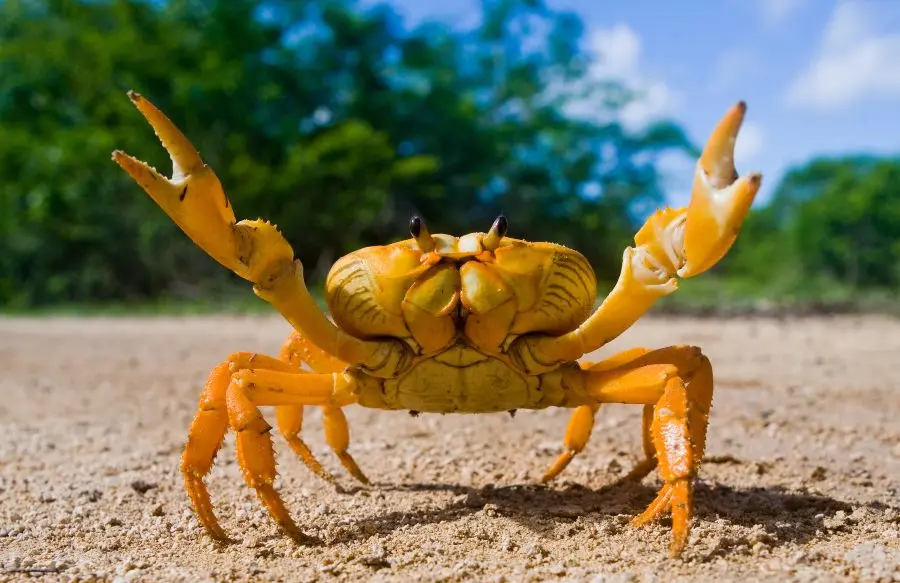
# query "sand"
(800, 483)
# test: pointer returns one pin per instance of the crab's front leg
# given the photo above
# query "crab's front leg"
(298, 351)
(194, 199)
(233, 394)
(675, 385)
(672, 243)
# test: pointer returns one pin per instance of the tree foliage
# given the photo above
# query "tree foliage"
(338, 122)
(333, 120)
(832, 221)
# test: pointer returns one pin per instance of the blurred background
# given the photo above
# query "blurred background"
(339, 119)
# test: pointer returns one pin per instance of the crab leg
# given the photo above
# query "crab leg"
(250, 388)
(337, 434)
(679, 451)
(289, 419)
(677, 427)
(194, 199)
(578, 432)
(672, 243)
(649, 463)
(205, 437)
(298, 351)
(581, 423)
(621, 385)
(233, 391)
(208, 430)
(693, 368)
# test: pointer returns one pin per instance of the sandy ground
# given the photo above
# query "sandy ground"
(801, 481)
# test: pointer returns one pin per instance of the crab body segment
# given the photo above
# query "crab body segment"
(457, 309)
(476, 324)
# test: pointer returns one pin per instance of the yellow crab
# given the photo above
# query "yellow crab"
(474, 324)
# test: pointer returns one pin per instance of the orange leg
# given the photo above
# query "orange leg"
(623, 384)
(233, 391)
(337, 434)
(581, 423)
(298, 351)
(578, 432)
(290, 421)
(675, 421)
(648, 464)
(207, 432)
(693, 368)
(204, 440)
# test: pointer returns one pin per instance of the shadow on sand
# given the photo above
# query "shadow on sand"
(786, 517)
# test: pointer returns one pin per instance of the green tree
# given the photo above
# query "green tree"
(330, 119)
(832, 219)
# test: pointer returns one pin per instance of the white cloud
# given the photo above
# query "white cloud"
(855, 61)
(617, 50)
(748, 145)
(777, 12)
(617, 53)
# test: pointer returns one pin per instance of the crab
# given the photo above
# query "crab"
(481, 323)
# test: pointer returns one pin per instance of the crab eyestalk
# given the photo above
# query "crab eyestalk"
(420, 234)
(493, 237)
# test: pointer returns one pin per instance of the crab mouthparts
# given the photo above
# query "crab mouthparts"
(451, 247)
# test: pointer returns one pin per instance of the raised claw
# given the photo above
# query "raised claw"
(194, 199)
(720, 199)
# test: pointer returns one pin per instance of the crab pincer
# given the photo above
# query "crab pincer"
(195, 200)
(720, 199)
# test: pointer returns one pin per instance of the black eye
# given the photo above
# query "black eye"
(415, 227)
(500, 225)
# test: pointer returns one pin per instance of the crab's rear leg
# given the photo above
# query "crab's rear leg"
(578, 432)
(298, 351)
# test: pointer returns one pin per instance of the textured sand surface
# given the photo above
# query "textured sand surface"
(801, 481)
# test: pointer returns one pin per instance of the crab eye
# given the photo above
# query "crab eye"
(498, 230)
(500, 225)
(415, 227)
(420, 233)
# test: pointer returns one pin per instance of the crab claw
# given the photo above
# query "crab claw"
(720, 199)
(194, 199)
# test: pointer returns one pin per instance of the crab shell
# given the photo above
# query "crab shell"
(427, 299)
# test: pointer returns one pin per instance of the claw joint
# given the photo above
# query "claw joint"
(264, 255)
(538, 354)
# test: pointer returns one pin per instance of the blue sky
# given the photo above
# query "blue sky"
(820, 77)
